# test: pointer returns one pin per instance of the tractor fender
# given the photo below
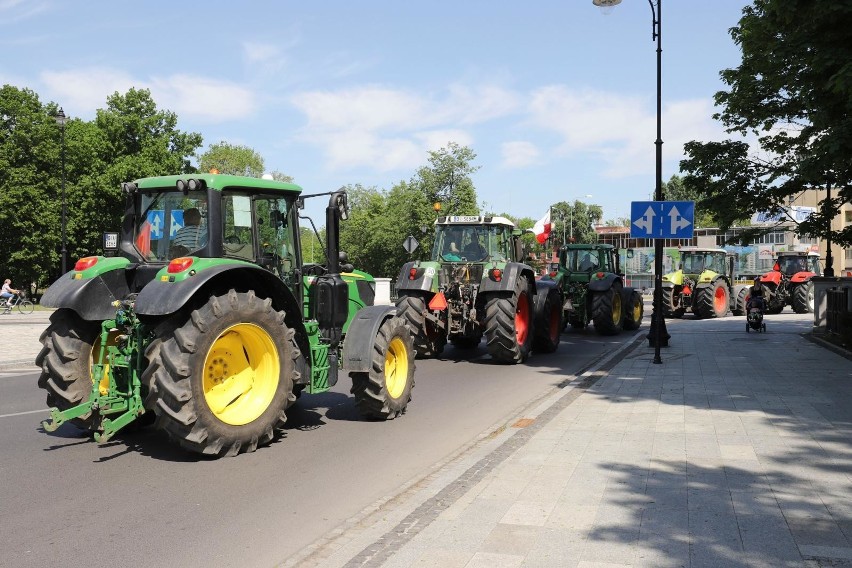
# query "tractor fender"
(511, 272)
(673, 279)
(543, 288)
(626, 295)
(772, 277)
(90, 298)
(669, 284)
(604, 283)
(160, 298)
(712, 283)
(801, 277)
(425, 275)
(358, 344)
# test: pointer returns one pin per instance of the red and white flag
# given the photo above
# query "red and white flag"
(542, 228)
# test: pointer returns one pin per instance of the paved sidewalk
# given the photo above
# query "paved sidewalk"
(19, 337)
(736, 451)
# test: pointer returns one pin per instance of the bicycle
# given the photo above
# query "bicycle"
(19, 301)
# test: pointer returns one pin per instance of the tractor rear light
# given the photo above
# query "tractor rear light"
(85, 263)
(180, 264)
(600, 274)
(496, 274)
(438, 302)
(412, 274)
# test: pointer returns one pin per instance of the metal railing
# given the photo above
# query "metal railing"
(837, 300)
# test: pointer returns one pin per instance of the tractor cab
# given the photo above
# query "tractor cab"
(473, 239)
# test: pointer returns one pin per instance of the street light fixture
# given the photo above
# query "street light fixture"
(657, 336)
(61, 119)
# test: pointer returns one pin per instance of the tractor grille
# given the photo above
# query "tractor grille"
(461, 273)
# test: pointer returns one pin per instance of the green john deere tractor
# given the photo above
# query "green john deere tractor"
(476, 285)
(704, 284)
(208, 320)
(593, 290)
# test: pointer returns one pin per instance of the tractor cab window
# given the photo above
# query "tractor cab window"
(693, 263)
(471, 243)
(276, 235)
(579, 260)
(171, 224)
(237, 226)
(717, 263)
(813, 265)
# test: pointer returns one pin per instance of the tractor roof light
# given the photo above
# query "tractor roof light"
(180, 264)
(86, 262)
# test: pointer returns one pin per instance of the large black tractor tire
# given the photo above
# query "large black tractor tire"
(428, 342)
(384, 392)
(712, 302)
(65, 360)
(634, 311)
(670, 309)
(803, 298)
(742, 300)
(508, 324)
(222, 379)
(548, 321)
(607, 311)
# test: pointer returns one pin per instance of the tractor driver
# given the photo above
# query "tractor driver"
(451, 247)
(474, 249)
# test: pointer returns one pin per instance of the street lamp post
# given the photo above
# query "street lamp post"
(61, 119)
(657, 336)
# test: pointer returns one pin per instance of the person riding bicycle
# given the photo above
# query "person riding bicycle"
(8, 293)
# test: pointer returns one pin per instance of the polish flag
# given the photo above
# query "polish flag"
(542, 228)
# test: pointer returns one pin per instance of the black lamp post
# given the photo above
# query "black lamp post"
(657, 336)
(61, 119)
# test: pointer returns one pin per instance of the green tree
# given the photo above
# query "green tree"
(447, 180)
(380, 221)
(676, 190)
(574, 222)
(232, 159)
(793, 93)
(30, 200)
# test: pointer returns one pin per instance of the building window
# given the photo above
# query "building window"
(847, 216)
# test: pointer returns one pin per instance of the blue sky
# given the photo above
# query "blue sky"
(556, 98)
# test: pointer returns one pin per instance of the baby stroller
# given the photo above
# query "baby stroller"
(754, 315)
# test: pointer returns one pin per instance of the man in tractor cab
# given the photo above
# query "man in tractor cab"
(588, 263)
(193, 235)
(474, 249)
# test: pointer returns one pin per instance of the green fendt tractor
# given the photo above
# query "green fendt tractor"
(475, 285)
(703, 284)
(593, 290)
(208, 319)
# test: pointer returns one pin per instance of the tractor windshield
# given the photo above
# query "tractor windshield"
(581, 260)
(791, 265)
(471, 243)
(171, 224)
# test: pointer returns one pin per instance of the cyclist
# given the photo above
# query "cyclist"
(8, 293)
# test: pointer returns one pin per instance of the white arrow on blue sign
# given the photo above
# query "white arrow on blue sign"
(662, 219)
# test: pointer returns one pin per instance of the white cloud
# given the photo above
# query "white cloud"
(620, 129)
(393, 129)
(81, 91)
(13, 11)
(519, 154)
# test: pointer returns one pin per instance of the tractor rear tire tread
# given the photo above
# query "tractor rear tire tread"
(636, 305)
(412, 308)
(603, 310)
(704, 301)
(800, 300)
(65, 361)
(500, 333)
(548, 333)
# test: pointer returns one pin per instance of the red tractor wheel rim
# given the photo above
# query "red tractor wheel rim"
(522, 319)
(720, 300)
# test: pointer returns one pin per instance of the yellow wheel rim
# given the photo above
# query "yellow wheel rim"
(637, 309)
(241, 374)
(616, 306)
(97, 347)
(396, 368)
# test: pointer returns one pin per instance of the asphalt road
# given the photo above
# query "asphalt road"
(67, 500)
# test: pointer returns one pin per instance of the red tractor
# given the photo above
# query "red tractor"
(789, 282)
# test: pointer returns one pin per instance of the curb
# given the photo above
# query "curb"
(817, 340)
(19, 364)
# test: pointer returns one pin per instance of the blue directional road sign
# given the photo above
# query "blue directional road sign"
(662, 219)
